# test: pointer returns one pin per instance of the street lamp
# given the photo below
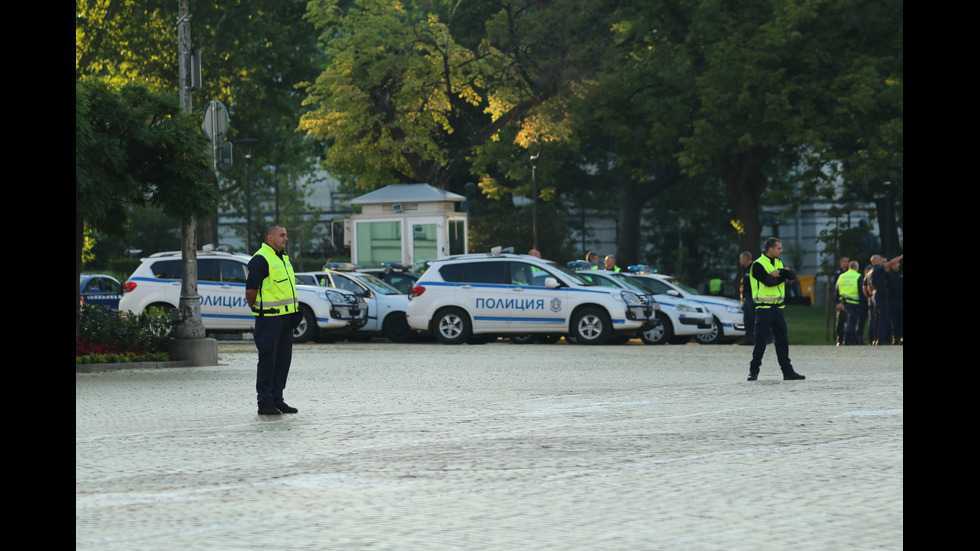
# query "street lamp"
(534, 198)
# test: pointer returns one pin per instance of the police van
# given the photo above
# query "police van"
(221, 285)
(511, 294)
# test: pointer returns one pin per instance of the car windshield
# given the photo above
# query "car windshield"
(632, 283)
(578, 280)
(377, 285)
(673, 281)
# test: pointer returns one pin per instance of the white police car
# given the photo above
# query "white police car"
(727, 322)
(221, 285)
(397, 275)
(509, 294)
(386, 304)
(680, 319)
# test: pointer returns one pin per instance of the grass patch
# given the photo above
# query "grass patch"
(810, 325)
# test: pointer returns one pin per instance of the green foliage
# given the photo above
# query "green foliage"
(104, 331)
(136, 147)
(497, 223)
(412, 89)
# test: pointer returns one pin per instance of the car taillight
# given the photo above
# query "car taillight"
(417, 290)
(129, 286)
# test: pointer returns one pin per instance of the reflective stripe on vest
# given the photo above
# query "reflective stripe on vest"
(277, 295)
(762, 295)
(847, 287)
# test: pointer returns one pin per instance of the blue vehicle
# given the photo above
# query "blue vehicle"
(100, 290)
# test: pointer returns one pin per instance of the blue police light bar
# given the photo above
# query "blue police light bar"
(642, 269)
(581, 265)
(394, 265)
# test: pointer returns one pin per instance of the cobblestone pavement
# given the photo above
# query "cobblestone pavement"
(497, 447)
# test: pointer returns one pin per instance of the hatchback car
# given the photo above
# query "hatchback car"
(221, 285)
(680, 319)
(100, 290)
(509, 294)
(386, 304)
(727, 322)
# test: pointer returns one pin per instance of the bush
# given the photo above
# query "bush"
(104, 332)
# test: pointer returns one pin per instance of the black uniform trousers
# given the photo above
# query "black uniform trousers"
(273, 337)
(766, 320)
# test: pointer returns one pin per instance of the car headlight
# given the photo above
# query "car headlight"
(333, 297)
(631, 298)
(686, 308)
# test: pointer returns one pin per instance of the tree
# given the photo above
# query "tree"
(253, 54)
(134, 147)
(412, 89)
(754, 81)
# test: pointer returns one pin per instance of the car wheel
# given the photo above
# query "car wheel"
(395, 328)
(658, 334)
(306, 330)
(591, 326)
(715, 336)
(452, 326)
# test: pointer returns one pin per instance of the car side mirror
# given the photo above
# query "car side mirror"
(551, 283)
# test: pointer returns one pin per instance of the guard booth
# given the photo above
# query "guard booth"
(406, 224)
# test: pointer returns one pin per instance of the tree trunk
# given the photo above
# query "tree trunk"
(79, 245)
(633, 196)
(744, 185)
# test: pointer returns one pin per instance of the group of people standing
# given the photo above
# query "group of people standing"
(871, 299)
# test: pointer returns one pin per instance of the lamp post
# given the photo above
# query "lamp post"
(534, 198)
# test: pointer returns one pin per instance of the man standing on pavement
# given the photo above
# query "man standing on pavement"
(270, 291)
(849, 302)
(768, 277)
(748, 307)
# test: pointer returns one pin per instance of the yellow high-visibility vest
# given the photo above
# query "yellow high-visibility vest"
(847, 287)
(277, 295)
(762, 295)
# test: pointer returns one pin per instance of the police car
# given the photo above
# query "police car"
(100, 290)
(221, 285)
(386, 304)
(727, 322)
(510, 294)
(397, 275)
(680, 319)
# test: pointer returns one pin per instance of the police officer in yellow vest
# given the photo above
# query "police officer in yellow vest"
(849, 301)
(271, 293)
(768, 278)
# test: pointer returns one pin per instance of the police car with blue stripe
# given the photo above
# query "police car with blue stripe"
(499, 293)
(727, 323)
(221, 285)
(680, 319)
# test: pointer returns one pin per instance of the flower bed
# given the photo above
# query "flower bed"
(109, 336)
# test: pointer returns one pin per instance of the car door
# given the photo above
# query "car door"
(221, 283)
(510, 297)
